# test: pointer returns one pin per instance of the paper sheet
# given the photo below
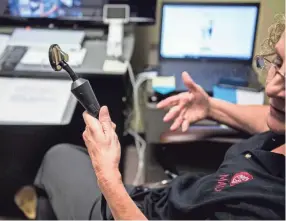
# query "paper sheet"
(33, 101)
(249, 97)
(238, 96)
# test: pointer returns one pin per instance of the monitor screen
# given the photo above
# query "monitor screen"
(116, 13)
(75, 9)
(208, 31)
(45, 8)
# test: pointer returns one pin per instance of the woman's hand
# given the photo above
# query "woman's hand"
(187, 107)
(102, 144)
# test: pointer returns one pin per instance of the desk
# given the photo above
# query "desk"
(91, 66)
(23, 147)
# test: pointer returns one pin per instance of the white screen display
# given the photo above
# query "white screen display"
(211, 31)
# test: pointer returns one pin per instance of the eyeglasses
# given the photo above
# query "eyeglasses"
(264, 63)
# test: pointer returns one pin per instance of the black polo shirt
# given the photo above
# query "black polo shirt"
(249, 184)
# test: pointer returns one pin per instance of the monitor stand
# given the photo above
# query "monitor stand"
(115, 39)
(114, 53)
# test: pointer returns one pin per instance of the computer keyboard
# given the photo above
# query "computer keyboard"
(11, 57)
(206, 75)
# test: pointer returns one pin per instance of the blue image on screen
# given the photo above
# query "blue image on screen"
(45, 8)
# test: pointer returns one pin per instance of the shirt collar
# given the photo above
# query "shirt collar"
(274, 163)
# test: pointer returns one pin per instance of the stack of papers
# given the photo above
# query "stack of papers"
(34, 101)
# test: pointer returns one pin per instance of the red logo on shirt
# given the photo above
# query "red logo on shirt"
(241, 177)
(222, 182)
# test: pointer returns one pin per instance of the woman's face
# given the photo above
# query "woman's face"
(275, 89)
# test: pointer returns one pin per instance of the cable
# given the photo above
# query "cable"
(141, 157)
(137, 138)
(131, 74)
(140, 148)
(140, 143)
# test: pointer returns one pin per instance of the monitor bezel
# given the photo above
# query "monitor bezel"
(226, 59)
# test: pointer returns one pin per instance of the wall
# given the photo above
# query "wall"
(148, 37)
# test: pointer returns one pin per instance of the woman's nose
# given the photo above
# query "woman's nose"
(276, 87)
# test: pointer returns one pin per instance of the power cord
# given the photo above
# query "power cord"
(140, 143)
(131, 74)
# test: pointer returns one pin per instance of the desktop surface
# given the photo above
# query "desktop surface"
(92, 64)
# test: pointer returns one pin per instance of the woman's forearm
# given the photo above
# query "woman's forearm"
(249, 118)
(121, 205)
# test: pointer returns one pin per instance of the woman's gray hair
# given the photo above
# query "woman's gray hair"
(275, 32)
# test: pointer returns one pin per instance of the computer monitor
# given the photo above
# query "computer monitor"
(55, 11)
(45, 8)
(208, 31)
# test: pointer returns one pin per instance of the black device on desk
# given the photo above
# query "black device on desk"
(208, 40)
(11, 57)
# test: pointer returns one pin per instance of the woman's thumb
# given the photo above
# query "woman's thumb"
(105, 119)
(188, 81)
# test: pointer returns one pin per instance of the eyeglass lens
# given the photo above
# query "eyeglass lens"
(260, 62)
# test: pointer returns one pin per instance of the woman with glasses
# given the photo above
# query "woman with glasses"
(249, 184)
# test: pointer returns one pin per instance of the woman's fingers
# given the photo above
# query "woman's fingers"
(179, 120)
(188, 81)
(172, 113)
(92, 124)
(177, 123)
(113, 126)
(168, 102)
(185, 125)
(105, 120)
